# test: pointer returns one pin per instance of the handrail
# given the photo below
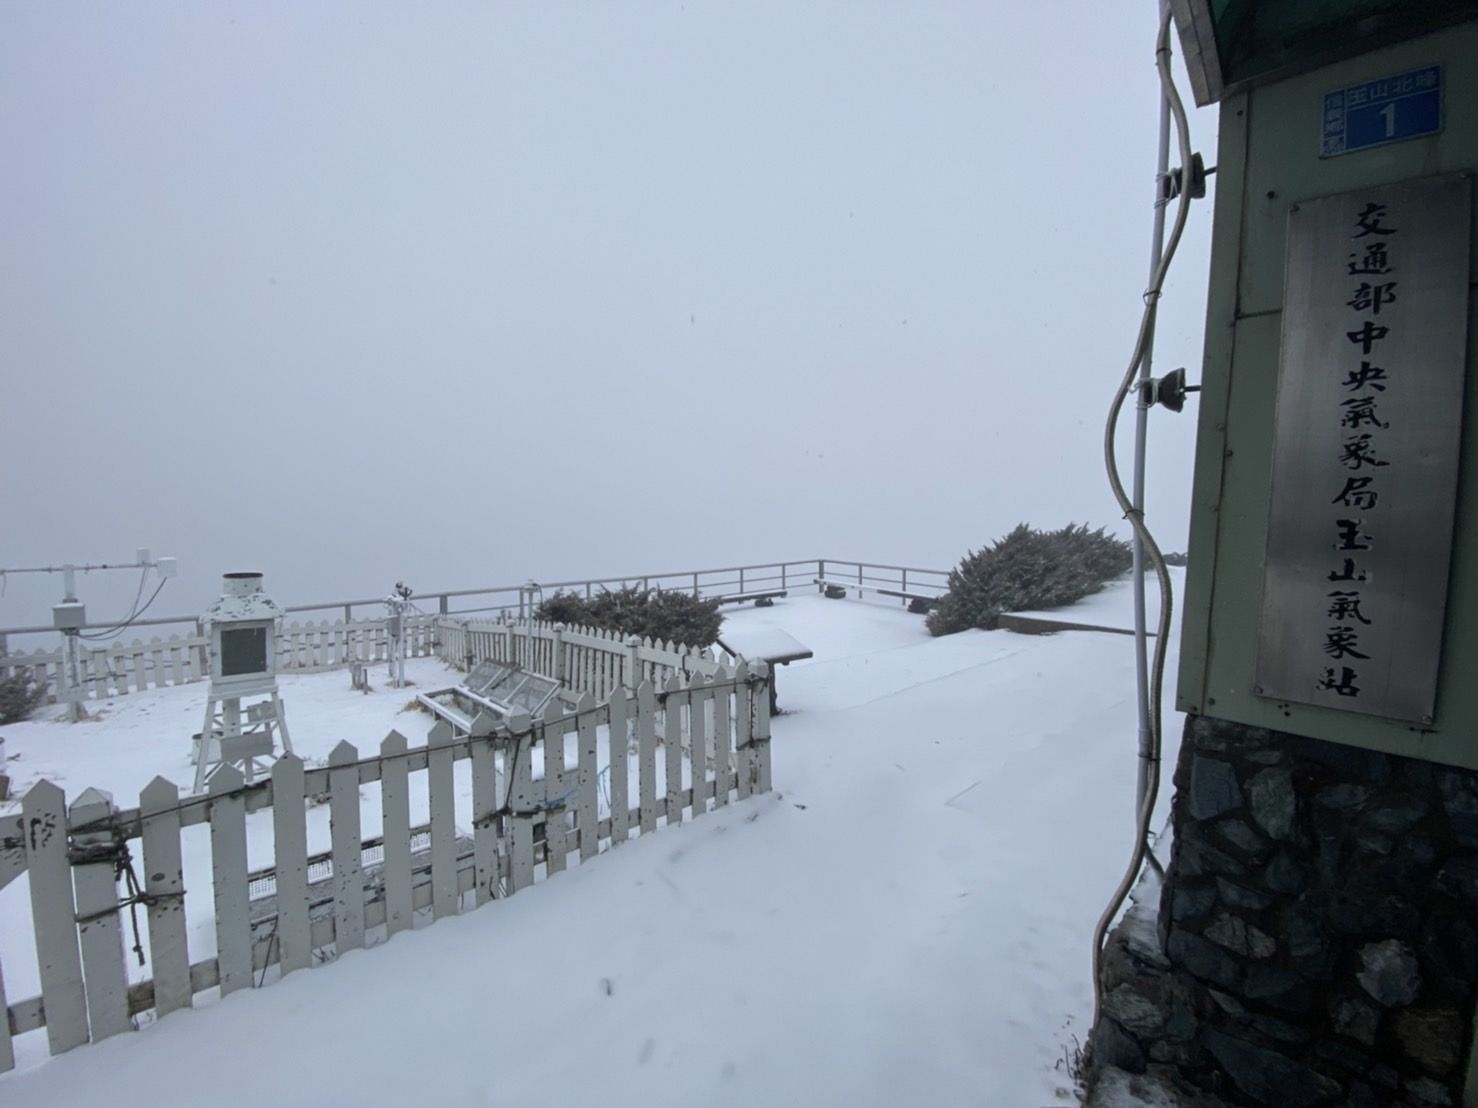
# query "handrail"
(690, 579)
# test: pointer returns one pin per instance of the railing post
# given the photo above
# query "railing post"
(741, 580)
(695, 586)
(633, 663)
(782, 576)
(348, 613)
(820, 575)
(442, 605)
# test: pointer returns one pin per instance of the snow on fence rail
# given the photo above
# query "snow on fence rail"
(584, 659)
(301, 648)
(693, 742)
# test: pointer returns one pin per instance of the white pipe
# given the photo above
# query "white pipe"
(1151, 763)
(1141, 429)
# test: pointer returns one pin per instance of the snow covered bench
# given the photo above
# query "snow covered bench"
(836, 590)
(767, 644)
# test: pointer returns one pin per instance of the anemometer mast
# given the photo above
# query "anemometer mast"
(69, 616)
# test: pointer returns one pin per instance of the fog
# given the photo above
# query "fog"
(348, 293)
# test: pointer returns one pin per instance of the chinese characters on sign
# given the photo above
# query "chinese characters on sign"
(1366, 449)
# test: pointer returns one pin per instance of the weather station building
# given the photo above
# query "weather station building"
(1317, 930)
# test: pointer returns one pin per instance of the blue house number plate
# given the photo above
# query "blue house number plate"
(1392, 109)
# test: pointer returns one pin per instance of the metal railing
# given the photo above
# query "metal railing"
(725, 582)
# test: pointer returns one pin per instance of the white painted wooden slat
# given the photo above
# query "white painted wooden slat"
(587, 816)
(620, 761)
(7, 1051)
(723, 773)
(698, 697)
(672, 741)
(164, 881)
(395, 801)
(343, 787)
(140, 666)
(99, 933)
(646, 755)
(522, 801)
(743, 732)
(53, 916)
(290, 834)
(443, 821)
(555, 801)
(484, 804)
(761, 740)
(176, 675)
(228, 871)
(156, 657)
(13, 851)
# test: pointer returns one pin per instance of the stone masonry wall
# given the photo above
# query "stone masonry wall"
(1317, 943)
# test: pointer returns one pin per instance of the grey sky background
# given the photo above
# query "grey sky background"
(469, 293)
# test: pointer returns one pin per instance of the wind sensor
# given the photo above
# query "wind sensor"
(69, 616)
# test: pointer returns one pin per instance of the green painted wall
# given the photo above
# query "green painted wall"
(1268, 160)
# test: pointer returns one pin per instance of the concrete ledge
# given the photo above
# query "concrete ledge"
(1043, 625)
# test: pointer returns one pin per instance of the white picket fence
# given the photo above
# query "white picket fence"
(306, 647)
(533, 812)
(585, 659)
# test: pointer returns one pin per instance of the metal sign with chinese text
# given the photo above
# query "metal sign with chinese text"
(1375, 113)
(1365, 451)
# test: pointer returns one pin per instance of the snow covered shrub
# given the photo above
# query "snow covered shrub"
(1028, 569)
(563, 607)
(20, 695)
(651, 613)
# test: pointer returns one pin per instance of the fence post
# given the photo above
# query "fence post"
(484, 807)
(741, 580)
(290, 860)
(633, 662)
(343, 788)
(672, 744)
(782, 576)
(695, 586)
(99, 933)
(521, 801)
(620, 751)
(442, 603)
(53, 915)
(164, 880)
(395, 804)
(820, 575)
(559, 653)
(439, 786)
(228, 870)
(202, 652)
(348, 616)
(7, 1051)
(761, 737)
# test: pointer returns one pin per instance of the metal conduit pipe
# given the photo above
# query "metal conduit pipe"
(1149, 757)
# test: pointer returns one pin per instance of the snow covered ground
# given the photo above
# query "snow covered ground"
(906, 919)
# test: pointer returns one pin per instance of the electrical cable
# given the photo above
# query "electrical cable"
(128, 621)
(1135, 515)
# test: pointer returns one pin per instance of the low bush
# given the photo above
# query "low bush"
(20, 694)
(651, 613)
(1025, 570)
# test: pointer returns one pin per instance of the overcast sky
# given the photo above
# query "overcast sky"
(468, 293)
